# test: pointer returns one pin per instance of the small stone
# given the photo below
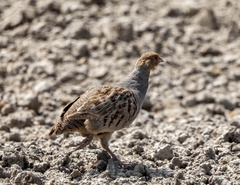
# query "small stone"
(182, 137)
(207, 168)
(80, 49)
(20, 119)
(13, 16)
(90, 2)
(190, 101)
(30, 13)
(207, 19)
(232, 135)
(179, 175)
(4, 42)
(139, 135)
(147, 104)
(5, 128)
(234, 31)
(41, 167)
(167, 173)
(210, 152)
(174, 12)
(20, 31)
(14, 158)
(70, 6)
(38, 30)
(121, 30)
(227, 103)
(43, 68)
(3, 173)
(77, 30)
(14, 137)
(98, 72)
(205, 97)
(28, 177)
(112, 168)
(165, 152)
(210, 51)
(140, 168)
(138, 149)
(103, 156)
(43, 86)
(101, 165)
(176, 161)
(235, 123)
(215, 109)
(31, 101)
(75, 173)
(7, 109)
(236, 147)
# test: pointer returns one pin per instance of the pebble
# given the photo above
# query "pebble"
(31, 101)
(227, 103)
(147, 104)
(75, 173)
(13, 137)
(101, 165)
(13, 16)
(207, 18)
(43, 86)
(165, 152)
(182, 137)
(77, 30)
(7, 109)
(98, 72)
(138, 149)
(28, 177)
(80, 49)
(20, 119)
(14, 158)
(5, 128)
(41, 167)
(121, 30)
(232, 135)
(176, 161)
(103, 156)
(4, 42)
(138, 134)
(140, 168)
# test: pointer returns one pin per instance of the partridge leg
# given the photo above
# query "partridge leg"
(83, 144)
(104, 142)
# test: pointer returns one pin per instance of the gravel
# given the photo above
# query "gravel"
(188, 131)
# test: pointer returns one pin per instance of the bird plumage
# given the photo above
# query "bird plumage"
(102, 110)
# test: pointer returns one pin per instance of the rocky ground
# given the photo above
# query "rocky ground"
(188, 131)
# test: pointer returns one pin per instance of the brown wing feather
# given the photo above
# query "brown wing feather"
(64, 124)
(65, 109)
(104, 104)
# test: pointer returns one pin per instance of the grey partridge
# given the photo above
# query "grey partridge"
(102, 110)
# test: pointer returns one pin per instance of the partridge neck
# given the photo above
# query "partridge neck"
(138, 81)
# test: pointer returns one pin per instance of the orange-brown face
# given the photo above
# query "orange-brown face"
(149, 59)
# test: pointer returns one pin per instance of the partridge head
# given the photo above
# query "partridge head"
(149, 60)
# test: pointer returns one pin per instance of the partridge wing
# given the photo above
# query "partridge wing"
(103, 102)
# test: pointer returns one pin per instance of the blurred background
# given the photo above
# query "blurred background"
(52, 51)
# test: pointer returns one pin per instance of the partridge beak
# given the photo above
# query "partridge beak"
(161, 60)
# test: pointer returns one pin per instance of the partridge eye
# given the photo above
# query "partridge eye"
(156, 58)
